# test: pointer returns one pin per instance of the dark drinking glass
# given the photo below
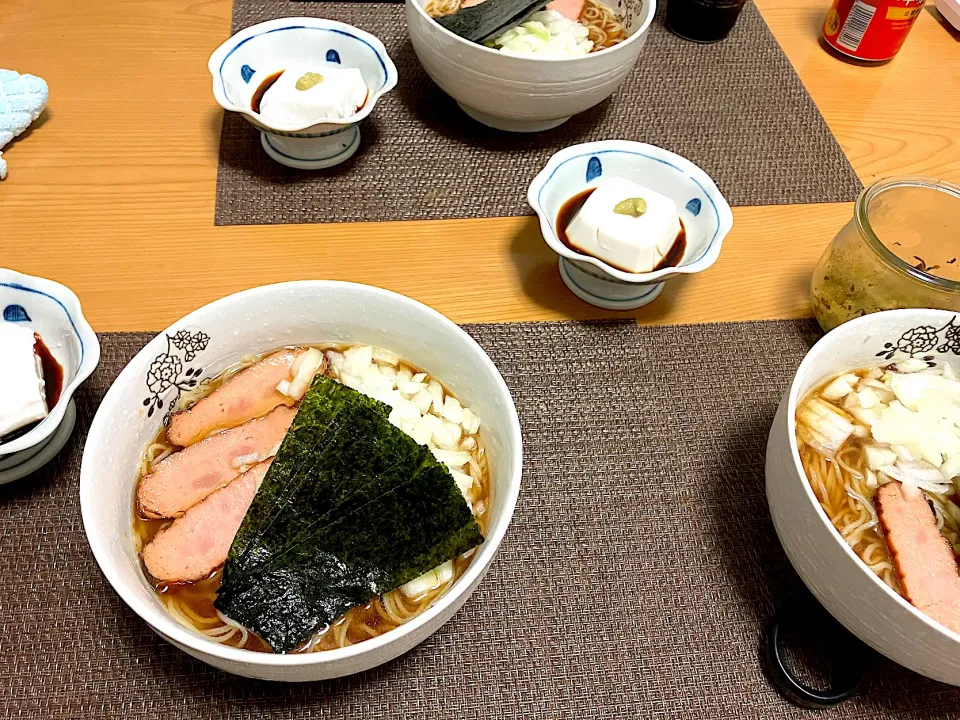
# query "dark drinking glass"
(703, 21)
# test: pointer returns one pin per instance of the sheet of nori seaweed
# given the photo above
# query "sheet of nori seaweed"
(294, 462)
(342, 475)
(363, 511)
(417, 526)
(490, 18)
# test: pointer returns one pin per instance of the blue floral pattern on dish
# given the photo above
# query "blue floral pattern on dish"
(333, 56)
(247, 72)
(693, 206)
(15, 313)
(594, 169)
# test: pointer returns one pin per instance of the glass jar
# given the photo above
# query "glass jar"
(900, 250)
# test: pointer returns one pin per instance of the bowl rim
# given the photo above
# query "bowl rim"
(649, 152)
(85, 336)
(163, 623)
(650, 11)
(808, 367)
(219, 57)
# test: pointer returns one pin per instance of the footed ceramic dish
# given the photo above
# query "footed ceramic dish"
(269, 47)
(705, 214)
(53, 312)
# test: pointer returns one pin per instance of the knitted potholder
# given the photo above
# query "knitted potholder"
(22, 99)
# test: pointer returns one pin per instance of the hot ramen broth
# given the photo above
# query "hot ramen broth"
(881, 449)
(192, 603)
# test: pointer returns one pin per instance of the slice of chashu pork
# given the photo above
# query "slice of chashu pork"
(924, 560)
(250, 393)
(185, 478)
(197, 544)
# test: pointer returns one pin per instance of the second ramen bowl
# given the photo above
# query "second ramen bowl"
(219, 335)
(856, 597)
(526, 94)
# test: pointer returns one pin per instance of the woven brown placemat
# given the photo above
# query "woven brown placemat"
(736, 108)
(635, 580)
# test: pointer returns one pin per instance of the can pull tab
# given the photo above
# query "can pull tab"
(805, 634)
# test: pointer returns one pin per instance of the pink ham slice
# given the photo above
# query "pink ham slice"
(923, 558)
(248, 394)
(197, 544)
(187, 477)
(570, 9)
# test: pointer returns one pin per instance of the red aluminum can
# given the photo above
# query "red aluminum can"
(870, 29)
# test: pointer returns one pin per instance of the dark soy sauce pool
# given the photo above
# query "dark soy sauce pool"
(52, 372)
(52, 381)
(267, 83)
(571, 207)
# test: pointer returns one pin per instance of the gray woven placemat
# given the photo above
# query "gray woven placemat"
(634, 582)
(736, 108)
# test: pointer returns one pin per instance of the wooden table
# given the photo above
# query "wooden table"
(113, 192)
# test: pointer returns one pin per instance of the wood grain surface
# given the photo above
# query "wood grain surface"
(112, 192)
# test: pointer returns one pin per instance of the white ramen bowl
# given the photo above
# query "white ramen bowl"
(53, 312)
(856, 597)
(256, 320)
(705, 214)
(525, 94)
(268, 47)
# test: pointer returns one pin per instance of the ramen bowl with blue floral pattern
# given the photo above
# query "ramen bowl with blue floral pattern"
(704, 212)
(268, 48)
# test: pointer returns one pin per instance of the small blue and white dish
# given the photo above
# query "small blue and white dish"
(705, 214)
(268, 48)
(53, 312)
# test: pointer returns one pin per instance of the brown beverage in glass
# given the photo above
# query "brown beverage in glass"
(703, 21)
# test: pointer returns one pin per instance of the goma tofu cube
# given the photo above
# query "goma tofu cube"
(633, 244)
(308, 94)
(22, 397)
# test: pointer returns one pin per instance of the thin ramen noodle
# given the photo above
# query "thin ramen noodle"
(841, 475)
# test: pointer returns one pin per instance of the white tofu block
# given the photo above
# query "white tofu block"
(632, 244)
(339, 95)
(22, 395)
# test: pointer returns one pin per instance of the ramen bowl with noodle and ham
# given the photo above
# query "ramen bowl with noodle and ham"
(862, 471)
(337, 445)
(530, 66)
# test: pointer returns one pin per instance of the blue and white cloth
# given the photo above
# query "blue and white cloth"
(22, 99)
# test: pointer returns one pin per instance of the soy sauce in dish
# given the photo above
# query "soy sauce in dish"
(52, 371)
(52, 381)
(569, 210)
(267, 83)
